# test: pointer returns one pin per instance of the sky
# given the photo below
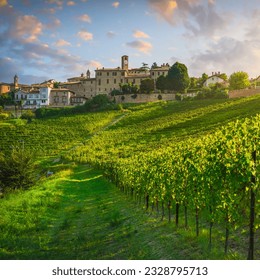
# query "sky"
(59, 39)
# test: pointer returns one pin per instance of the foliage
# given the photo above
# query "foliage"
(56, 84)
(17, 169)
(154, 65)
(7, 98)
(147, 86)
(129, 88)
(4, 116)
(161, 83)
(215, 91)
(97, 103)
(115, 92)
(239, 80)
(178, 78)
(28, 115)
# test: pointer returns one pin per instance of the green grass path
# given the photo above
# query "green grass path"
(78, 214)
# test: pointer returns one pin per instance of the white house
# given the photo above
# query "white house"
(34, 98)
(213, 80)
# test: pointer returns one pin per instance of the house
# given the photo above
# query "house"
(77, 100)
(34, 98)
(60, 97)
(256, 82)
(5, 88)
(213, 79)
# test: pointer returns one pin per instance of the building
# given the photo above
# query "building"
(33, 99)
(5, 88)
(213, 79)
(109, 79)
(256, 82)
(45, 96)
(60, 97)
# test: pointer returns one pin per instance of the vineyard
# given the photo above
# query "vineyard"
(194, 164)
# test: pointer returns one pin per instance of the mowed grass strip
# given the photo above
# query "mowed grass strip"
(78, 214)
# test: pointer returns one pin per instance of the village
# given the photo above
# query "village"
(110, 81)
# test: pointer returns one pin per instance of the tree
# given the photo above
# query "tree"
(28, 115)
(56, 84)
(161, 83)
(147, 85)
(17, 169)
(129, 88)
(178, 78)
(154, 65)
(239, 80)
(223, 76)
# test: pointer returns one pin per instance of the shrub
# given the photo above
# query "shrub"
(28, 115)
(4, 116)
(17, 169)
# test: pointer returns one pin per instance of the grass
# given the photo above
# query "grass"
(78, 214)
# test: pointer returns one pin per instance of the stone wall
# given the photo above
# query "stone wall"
(243, 93)
(142, 98)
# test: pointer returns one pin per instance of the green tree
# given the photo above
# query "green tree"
(56, 84)
(239, 80)
(17, 169)
(178, 77)
(161, 83)
(147, 86)
(129, 88)
(28, 115)
(154, 65)
(223, 76)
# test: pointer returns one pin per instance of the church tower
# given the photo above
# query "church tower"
(124, 62)
(88, 74)
(16, 82)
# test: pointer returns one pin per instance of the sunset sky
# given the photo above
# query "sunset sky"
(56, 39)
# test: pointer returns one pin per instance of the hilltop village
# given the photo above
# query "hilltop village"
(77, 90)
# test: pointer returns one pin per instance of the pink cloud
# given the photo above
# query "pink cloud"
(85, 35)
(85, 18)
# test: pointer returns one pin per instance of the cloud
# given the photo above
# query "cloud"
(71, 3)
(115, 4)
(164, 8)
(141, 46)
(228, 55)
(111, 34)
(3, 3)
(85, 35)
(62, 43)
(140, 34)
(85, 18)
(57, 2)
(54, 24)
(27, 28)
(198, 17)
(93, 64)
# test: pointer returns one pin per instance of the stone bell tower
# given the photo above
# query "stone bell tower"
(124, 62)
(16, 82)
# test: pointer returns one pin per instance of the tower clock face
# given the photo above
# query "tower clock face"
(125, 62)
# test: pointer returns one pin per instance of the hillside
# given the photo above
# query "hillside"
(87, 210)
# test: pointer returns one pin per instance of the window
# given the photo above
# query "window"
(99, 82)
(107, 81)
(114, 81)
(107, 73)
